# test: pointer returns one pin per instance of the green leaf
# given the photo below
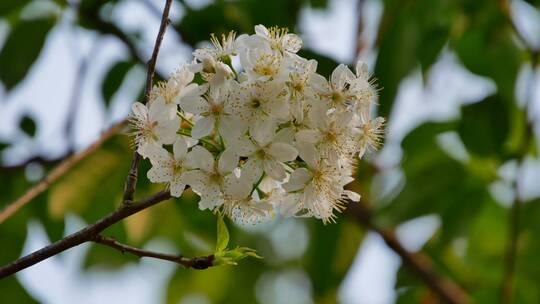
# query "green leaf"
(3, 145)
(222, 235)
(336, 245)
(231, 257)
(114, 78)
(453, 191)
(28, 125)
(239, 16)
(21, 50)
(484, 126)
(411, 33)
(7, 7)
(485, 40)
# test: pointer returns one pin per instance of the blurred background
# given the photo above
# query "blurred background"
(458, 176)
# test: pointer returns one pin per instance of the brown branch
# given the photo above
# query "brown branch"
(201, 262)
(179, 31)
(419, 263)
(75, 100)
(74, 159)
(131, 180)
(58, 172)
(84, 235)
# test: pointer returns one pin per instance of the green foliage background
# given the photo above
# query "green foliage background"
(412, 34)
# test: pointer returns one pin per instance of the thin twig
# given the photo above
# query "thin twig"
(84, 235)
(179, 31)
(69, 160)
(131, 180)
(75, 100)
(420, 263)
(58, 172)
(201, 262)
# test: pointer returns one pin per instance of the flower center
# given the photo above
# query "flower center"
(330, 136)
(255, 103)
(337, 97)
(267, 65)
(178, 167)
(216, 108)
(215, 177)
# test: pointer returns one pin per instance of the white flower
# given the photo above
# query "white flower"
(213, 181)
(260, 61)
(265, 154)
(276, 136)
(365, 89)
(318, 188)
(167, 168)
(260, 104)
(331, 133)
(226, 47)
(215, 109)
(175, 88)
(279, 38)
(371, 134)
(298, 86)
(339, 92)
(211, 68)
(153, 125)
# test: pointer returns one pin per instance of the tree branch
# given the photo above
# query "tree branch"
(84, 235)
(202, 262)
(419, 263)
(75, 100)
(131, 181)
(74, 159)
(58, 172)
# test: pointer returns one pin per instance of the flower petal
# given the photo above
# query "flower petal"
(194, 104)
(341, 75)
(353, 196)
(251, 171)
(177, 188)
(160, 174)
(282, 151)
(311, 136)
(203, 127)
(298, 180)
(200, 158)
(227, 161)
(308, 153)
(262, 130)
(274, 169)
(179, 148)
(196, 179)
(166, 130)
(292, 43)
(139, 111)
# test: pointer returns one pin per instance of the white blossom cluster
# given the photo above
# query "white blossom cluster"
(269, 137)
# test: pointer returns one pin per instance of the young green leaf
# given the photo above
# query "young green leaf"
(21, 49)
(231, 257)
(222, 235)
